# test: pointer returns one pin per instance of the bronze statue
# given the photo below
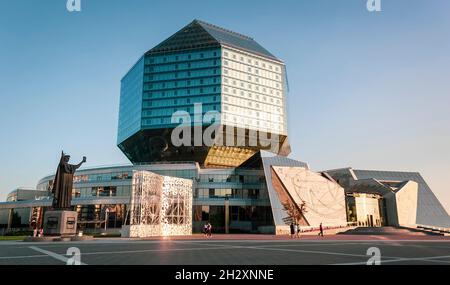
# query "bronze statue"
(62, 184)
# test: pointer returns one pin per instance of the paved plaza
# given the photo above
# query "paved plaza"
(234, 250)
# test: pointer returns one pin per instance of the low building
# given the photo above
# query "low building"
(253, 198)
(390, 198)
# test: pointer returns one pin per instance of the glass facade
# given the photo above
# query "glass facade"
(94, 190)
(175, 82)
(131, 101)
(253, 92)
(229, 74)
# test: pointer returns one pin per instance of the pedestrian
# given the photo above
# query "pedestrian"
(298, 230)
(295, 229)
(209, 229)
(205, 230)
(292, 229)
(321, 230)
(35, 232)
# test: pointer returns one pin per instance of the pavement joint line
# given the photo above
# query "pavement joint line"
(152, 250)
(52, 254)
(399, 259)
(23, 256)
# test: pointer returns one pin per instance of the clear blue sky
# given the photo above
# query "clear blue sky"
(368, 90)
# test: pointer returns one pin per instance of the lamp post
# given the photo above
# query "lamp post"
(106, 217)
(227, 213)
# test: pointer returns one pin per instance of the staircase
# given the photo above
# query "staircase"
(389, 231)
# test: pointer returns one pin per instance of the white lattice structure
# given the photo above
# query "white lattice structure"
(159, 206)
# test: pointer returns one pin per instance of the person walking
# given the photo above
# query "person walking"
(321, 230)
(292, 229)
(295, 230)
(205, 230)
(298, 230)
(209, 230)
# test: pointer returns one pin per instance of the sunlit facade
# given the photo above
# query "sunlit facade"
(224, 71)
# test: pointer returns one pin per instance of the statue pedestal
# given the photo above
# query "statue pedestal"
(60, 223)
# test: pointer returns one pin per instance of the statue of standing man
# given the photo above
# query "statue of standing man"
(62, 184)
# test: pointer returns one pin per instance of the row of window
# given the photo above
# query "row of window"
(243, 86)
(154, 70)
(102, 191)
(250, 60)
(251, 79)
(264, 108)
(102, 177)
(180, 101)
(188, 83)
(260, 73)
(216, 214)
(182, 92)
(181, 57)
(230, 193)
(260, 98)
(180, 83)
(249, 123)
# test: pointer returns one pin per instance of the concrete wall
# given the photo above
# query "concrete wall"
(407, 201)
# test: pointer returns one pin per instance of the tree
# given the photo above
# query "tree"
(295, 211)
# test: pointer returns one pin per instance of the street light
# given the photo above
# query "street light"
(106, 217)
(227, 213)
